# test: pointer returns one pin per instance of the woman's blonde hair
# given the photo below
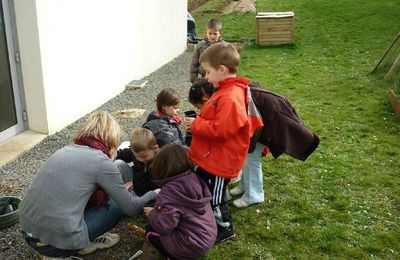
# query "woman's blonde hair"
(103, 126)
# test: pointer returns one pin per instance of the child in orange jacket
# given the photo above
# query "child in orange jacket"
(287, 135)
(222, 130)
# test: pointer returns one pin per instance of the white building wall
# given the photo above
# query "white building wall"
(81, 53)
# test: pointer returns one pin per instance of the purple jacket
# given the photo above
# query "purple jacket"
(183, 216)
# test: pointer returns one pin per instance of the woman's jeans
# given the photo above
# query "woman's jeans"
(100, 220)
(251, 182)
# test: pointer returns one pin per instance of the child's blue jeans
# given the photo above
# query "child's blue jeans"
(251, 182)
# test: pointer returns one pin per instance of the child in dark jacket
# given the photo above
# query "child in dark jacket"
(182, 223)
(135, 162)
(164, 122)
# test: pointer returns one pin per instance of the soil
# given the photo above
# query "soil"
(240, 6)
(193, 4)
(233, 6)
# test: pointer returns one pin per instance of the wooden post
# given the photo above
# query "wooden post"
(393, 69)
(396, 42)
(394, 100)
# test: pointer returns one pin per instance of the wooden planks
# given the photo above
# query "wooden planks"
(275, 28)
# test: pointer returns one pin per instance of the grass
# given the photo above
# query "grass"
(344, 201)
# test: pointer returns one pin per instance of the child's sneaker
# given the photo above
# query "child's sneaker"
(228, 195)
(236, 179)
(106, 240)
(240, 203)
(236, 191)
(225, 234)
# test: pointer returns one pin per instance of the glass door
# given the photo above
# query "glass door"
(11, 121)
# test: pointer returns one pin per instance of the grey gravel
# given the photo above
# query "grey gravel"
(16, 176)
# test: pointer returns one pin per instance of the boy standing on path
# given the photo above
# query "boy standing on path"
(222, 130)
(213, 35)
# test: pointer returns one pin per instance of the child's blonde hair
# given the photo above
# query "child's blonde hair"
(214, 24)
(142, 139)
(103, 126)
(221, 53)
(167, 97)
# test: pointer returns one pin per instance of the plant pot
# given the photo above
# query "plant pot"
(11, 217)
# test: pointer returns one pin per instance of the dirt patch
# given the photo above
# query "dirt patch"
(240, 6)
(232, 6)
(193, 4)
(129, 112)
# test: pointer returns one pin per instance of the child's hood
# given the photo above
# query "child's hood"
(156, 115)
(185, 189)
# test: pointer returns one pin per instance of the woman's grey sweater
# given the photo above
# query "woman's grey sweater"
(53, 207)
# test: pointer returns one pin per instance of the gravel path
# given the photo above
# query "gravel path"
(16, 176)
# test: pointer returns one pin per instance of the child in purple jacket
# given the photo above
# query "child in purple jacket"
(182, 223)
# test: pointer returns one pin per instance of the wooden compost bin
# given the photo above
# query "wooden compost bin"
(275, 28)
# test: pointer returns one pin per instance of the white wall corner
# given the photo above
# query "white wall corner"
(28, 37)
(76, 55)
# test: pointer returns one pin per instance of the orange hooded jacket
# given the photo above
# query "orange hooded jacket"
(222, 130)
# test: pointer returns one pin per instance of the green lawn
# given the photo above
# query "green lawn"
(344, 201)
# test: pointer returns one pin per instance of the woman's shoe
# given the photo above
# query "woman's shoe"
(106, 240)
